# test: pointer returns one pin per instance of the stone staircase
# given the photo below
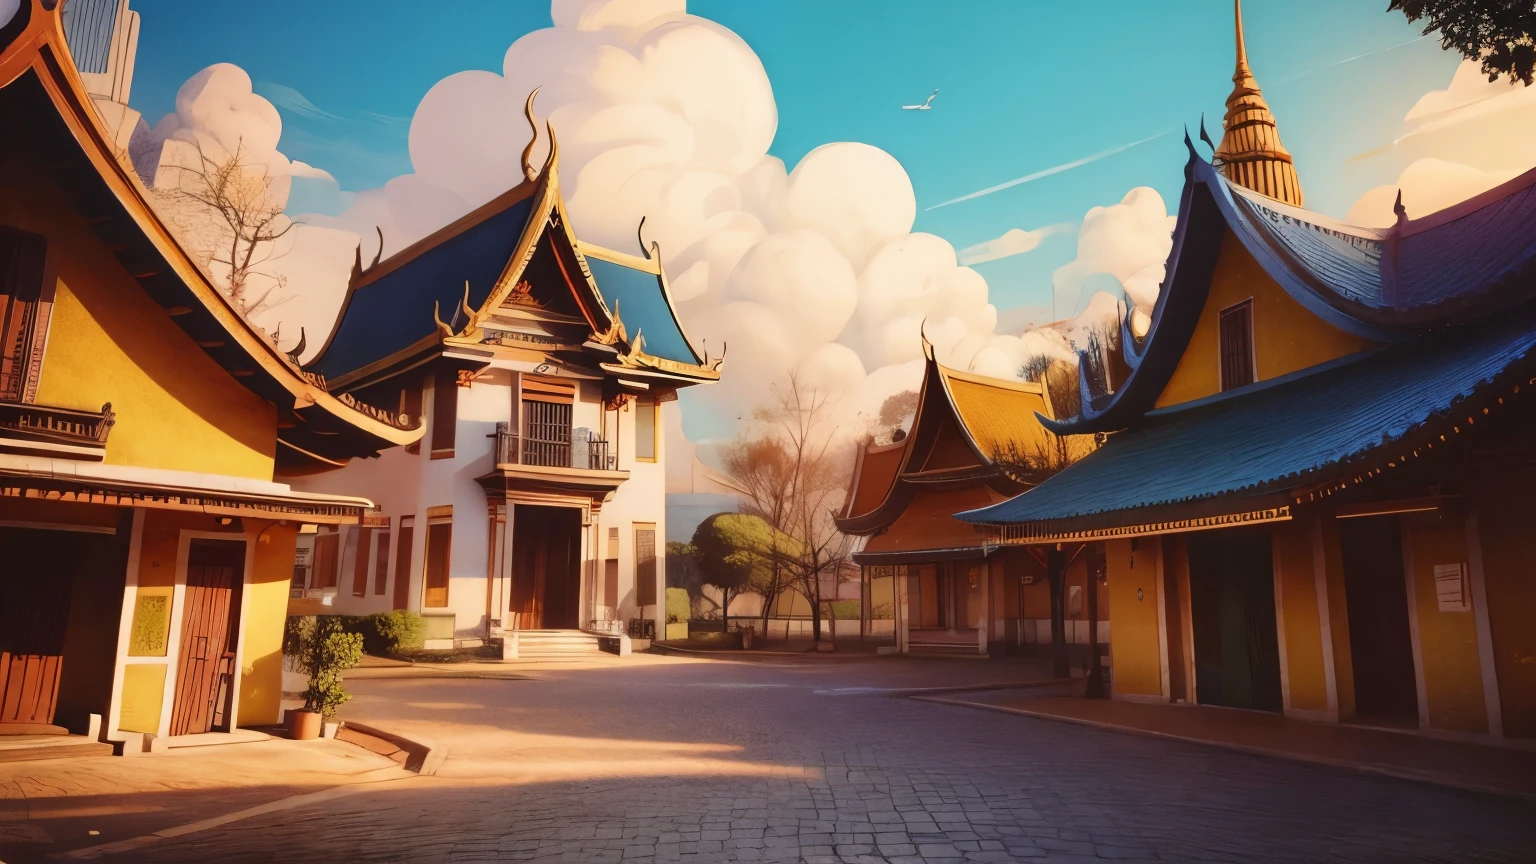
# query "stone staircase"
(556, 644)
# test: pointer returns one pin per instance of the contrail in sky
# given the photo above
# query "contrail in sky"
(1300, 75)
(1067, 166)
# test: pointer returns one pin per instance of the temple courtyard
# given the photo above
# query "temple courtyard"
(782, 759)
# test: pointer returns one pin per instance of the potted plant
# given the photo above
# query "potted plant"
(321, 649)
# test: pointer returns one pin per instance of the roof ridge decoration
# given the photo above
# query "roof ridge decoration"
(1250, 152)
(529, 171)
(36, 44)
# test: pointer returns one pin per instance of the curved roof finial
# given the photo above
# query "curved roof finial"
(529, 171)
(640, 235)
(922, 330)
(554, 145)
(379, 254)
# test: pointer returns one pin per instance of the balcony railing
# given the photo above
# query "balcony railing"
(567, 448)
(28, 422)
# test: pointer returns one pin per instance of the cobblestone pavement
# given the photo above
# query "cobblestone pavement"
(758, 762)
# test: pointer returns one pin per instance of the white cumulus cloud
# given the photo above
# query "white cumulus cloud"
(1015, 241)
(1455, 143)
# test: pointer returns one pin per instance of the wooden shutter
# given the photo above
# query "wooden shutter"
(1236, 336)
(360, 561)
(445, 411)
(324, 575)
(439, 543)
(403, 562)
(645, 566)
(380, 562)
(21, 282)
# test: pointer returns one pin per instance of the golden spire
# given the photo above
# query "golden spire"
(1250, 153)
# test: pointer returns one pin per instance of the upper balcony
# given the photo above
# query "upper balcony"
(40, 430)
(551, 458)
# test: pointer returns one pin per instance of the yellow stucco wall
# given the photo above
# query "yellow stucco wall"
(264, 608)
(109, 342)
(1296, 591)
(1133, 621)
(1447, 640)
(261, 674)
(1503, 504)
(1286, 336)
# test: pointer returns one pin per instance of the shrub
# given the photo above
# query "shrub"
(386, 632)
(679, 607)
(398, 629)
(322, 649)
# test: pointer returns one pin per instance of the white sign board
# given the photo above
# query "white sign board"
(1451, 588)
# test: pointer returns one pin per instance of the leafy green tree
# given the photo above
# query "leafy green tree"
(1499, 33)
(736, 553)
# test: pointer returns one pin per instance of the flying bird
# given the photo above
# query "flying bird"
(927, 103)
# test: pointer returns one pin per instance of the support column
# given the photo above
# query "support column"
(1485, 659)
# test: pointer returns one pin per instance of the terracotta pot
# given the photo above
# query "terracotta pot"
(304, 725)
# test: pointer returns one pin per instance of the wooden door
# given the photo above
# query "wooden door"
(34, 614)
(209, 636)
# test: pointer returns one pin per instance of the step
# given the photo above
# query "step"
(28, 748)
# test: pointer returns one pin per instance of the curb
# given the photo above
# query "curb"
(422, 755)
(1329, 761)
(1047, 687)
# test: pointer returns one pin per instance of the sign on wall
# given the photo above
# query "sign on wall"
(1451, 588)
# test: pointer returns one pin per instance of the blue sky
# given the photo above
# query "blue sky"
(1026, 85)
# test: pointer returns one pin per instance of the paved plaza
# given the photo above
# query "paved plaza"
(657, 759)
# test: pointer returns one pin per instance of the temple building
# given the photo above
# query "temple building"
(1316, 488)
(534, 511)
(973, 442)
(146, 547)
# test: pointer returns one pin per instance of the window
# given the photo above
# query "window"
(645, 564)
(647, 417)
(380, 562)
(1236, 335)
(434, 594)
(611, 572)
(403, 562)
(326, 548)
(445, 411)
(546, 421)
(21, 283)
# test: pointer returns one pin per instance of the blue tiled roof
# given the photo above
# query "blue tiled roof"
(1275, 434)
(1344, 258)
(394, 311)
(643, 307)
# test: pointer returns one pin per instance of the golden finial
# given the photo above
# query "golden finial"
(528, 170)
(1250, 153)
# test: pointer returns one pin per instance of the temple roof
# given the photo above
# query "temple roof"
(1451, 266)
(635, 289)
(993, 419)
(390, 307)
(1250, 153)
(1271, 446)
(434, 294)
(41, 93)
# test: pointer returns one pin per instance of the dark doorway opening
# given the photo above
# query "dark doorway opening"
(546, 567)
(60, 602)
(1232, 604)
(210, 634)
(1376, 596)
